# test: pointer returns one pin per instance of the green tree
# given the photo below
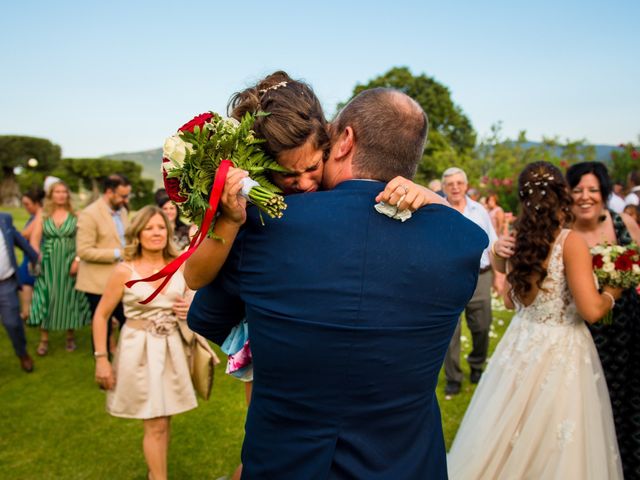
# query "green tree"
(501, 160)
(88, 173)
(451, 136)
(625, 160)
(17, 154)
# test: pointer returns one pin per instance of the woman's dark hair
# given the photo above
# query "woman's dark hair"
(545, 207)
(180, 229)
(35, 194)
(294, 113)
(579, 170)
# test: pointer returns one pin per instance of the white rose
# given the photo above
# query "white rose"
(232, 122)
(618, 248)
(636, 268)
(175, 149)
(606, 259)
(608, 267)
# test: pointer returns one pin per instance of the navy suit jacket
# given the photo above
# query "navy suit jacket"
(350, 314)
(12, 239)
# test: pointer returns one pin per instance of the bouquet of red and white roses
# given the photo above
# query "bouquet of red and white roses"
(617, 266)
(192, 156)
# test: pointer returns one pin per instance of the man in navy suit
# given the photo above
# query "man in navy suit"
(9, 303)
(350, 312)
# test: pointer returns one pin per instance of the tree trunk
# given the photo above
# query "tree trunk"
(9, 189)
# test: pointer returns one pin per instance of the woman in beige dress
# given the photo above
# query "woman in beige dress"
(149, 378)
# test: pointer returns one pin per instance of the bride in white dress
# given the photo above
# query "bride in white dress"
(541, 410)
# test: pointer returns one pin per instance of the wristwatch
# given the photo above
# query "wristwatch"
(100, 354)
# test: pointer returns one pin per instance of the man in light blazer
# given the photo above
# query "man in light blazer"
(100, 240)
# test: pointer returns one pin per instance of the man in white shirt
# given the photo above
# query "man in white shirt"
(9, 303)
(478, 310)
(633, 198)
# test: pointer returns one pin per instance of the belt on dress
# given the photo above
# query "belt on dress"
(161, 326)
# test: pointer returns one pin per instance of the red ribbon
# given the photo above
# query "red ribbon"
(171, 268)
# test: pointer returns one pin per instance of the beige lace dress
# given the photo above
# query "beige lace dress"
(150, 365)
(541, 410)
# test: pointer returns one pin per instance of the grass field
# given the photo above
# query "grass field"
(53, 424)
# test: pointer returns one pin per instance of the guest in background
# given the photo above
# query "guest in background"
(100, 241)
(478, 310)
(9, 285)
(32, 203)
(616, 199)
(149, 379)
(181, 231)
(618, 342)
(57, 305)
(633, 197)
(496, 213)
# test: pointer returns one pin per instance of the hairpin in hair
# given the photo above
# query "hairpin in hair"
(273, 87)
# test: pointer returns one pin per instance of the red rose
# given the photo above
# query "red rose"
(623, 263)
(597, 261)
(197, 121)
(172, 186)
(634, 154)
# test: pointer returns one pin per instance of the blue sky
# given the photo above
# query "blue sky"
(106, 77)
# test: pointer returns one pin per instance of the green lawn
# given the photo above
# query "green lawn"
(53, 423)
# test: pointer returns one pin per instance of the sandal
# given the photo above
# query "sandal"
(43, 348)
(71, 344)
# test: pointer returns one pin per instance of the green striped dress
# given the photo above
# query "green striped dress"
(57, 305)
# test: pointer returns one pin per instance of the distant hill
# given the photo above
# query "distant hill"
(149, 159)
(603, 152)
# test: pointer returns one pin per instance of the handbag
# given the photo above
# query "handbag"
(203, 361)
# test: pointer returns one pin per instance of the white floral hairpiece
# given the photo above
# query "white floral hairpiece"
(273, 87)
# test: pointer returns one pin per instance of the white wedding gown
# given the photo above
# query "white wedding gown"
(541, 410)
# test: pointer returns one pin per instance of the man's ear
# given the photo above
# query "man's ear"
(343, 147)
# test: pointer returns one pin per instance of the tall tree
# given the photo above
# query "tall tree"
(625, 160)
(500, 161)
(451, 136)
(34, 157)
(88, 173)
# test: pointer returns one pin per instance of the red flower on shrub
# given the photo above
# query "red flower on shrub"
(172, 185)
(597, 261)
(634, 154)
(623, 263)
(197, 121)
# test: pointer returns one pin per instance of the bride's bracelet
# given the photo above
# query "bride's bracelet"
(613, 300)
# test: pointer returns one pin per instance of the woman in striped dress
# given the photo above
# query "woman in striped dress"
(57, 305)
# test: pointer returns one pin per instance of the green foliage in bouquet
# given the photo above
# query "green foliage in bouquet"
(195, 155)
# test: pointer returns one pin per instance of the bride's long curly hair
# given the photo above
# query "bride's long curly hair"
(545, 207)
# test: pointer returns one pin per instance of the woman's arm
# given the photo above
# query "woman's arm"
(205, 263)
(36, 232)
(26, 231)
(415, 196)
(591, 304)
(108, 302)
(632, 227)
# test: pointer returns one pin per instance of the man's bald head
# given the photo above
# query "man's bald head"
(390, 130)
